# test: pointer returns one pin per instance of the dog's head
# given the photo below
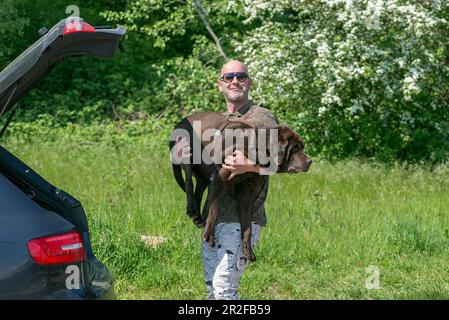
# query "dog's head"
(290, 154)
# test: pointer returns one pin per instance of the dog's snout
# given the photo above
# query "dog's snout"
(304, 167)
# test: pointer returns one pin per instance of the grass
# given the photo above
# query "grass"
(325, 228)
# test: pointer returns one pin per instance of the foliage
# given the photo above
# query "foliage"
(11, 28)
(354, 77)
(363, 78)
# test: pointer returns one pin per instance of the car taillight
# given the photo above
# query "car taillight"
(58, 249)
(77, 26)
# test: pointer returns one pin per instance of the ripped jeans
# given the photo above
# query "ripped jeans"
(224, 264)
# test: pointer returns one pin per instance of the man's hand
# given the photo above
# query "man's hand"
(237, 164)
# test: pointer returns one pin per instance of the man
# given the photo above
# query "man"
(224, 264)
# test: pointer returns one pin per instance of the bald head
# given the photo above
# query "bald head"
(233, 66)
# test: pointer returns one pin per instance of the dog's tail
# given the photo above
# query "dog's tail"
(177, 171)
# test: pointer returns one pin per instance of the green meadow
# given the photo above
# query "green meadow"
(344, 230)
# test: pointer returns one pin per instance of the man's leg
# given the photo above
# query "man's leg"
(231, 263)
(210, 263)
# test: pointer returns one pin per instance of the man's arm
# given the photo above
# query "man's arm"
(238, 164)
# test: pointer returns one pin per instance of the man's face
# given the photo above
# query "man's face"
(237, 90)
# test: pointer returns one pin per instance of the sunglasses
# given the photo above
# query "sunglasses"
(228, 77)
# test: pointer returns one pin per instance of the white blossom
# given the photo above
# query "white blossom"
(339, 48)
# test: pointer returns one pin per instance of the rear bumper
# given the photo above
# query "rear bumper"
(60, 295)
(97, 294)
(74, 295)
(106, 295)
(34, 282)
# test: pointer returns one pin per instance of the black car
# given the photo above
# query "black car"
(45, 249)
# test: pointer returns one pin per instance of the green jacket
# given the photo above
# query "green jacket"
(228, 205)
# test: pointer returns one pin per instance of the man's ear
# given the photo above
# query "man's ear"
(219, 85)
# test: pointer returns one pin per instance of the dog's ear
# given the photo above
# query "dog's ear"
(284, 134)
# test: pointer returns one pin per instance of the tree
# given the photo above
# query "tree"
(11, 29)
(189, 41)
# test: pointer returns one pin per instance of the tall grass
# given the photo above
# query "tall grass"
(324, 227)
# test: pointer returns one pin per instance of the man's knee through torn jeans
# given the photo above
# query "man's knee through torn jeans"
(224, 263)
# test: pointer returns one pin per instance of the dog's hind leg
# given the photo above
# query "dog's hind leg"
(206, 172)
(191, 201)
(201, 185)
(245, 211)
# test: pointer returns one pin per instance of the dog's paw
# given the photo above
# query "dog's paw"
(249, 254)
(200, 225)
(209, 239)
(252, 257)
(198, 222)
(192, 213)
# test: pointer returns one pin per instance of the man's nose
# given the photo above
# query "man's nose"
(234, 80)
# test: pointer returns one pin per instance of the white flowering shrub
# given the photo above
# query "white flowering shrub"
(356, 78)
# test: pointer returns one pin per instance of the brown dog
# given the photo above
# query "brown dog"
(289, 157)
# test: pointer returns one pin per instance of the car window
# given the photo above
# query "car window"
(26, 60)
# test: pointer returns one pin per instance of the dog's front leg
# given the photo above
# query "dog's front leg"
(216, 187)
(245, 211)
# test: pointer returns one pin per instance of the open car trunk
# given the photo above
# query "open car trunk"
(68, 38)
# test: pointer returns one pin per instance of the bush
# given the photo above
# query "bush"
(364, 79)
(356, 78)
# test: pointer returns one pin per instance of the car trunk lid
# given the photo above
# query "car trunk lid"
(67, 38)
